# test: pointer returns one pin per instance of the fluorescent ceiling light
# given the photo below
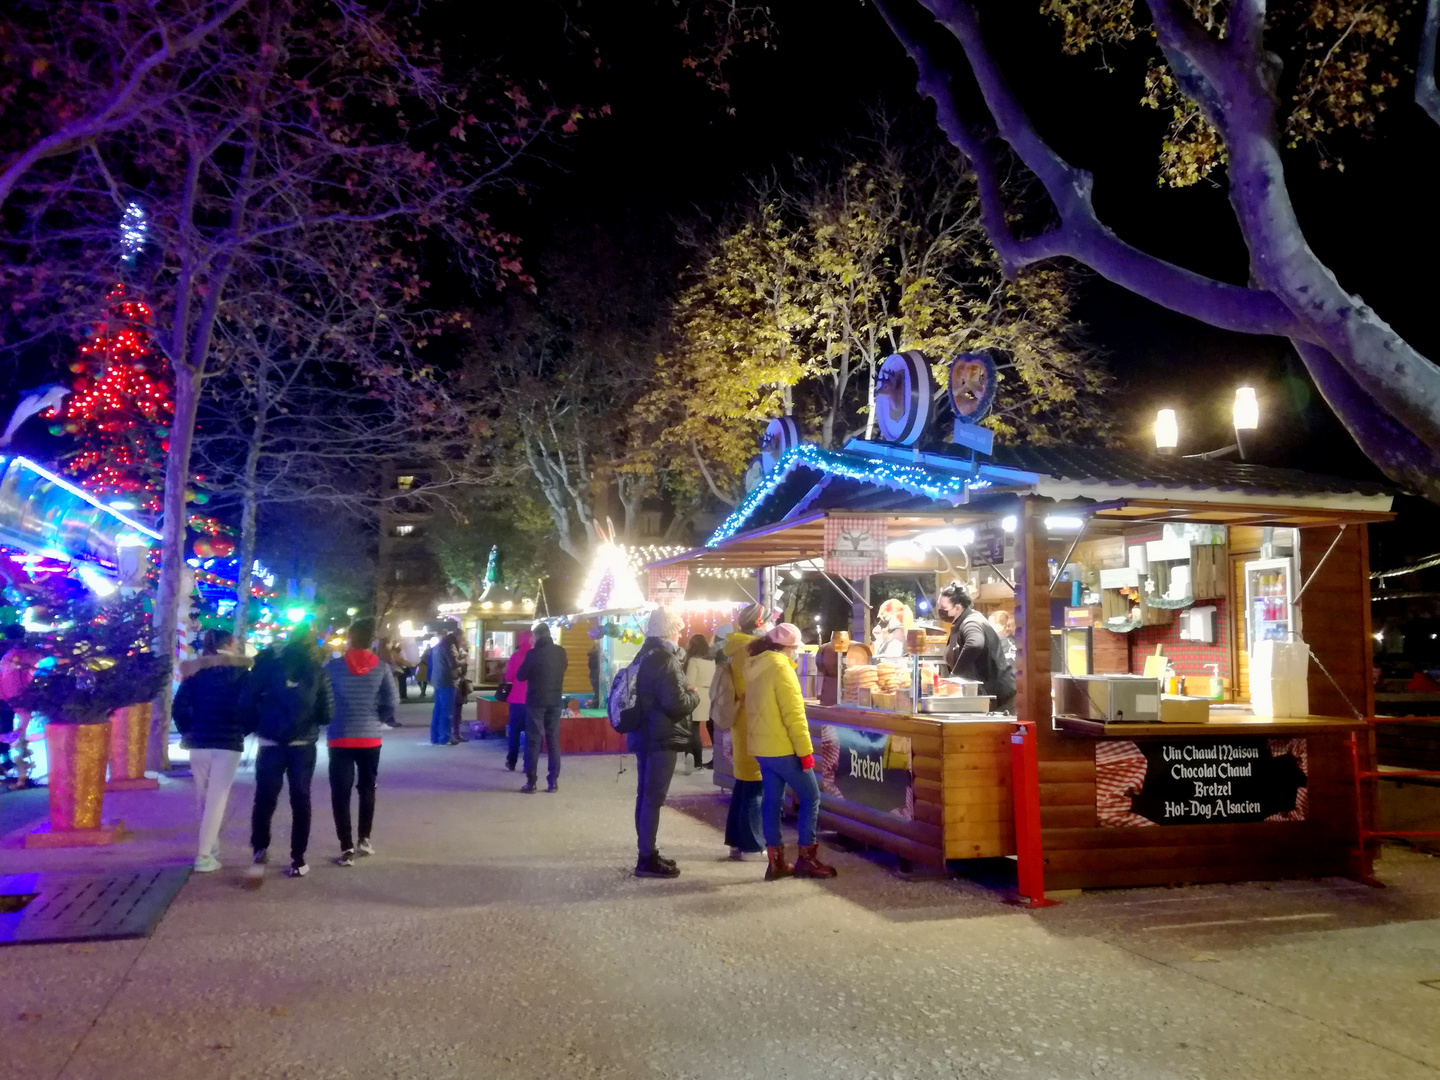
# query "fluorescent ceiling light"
(1060, 522)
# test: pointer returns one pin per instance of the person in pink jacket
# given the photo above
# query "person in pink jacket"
(516, 725)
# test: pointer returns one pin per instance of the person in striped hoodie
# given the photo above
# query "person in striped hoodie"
(366, 695)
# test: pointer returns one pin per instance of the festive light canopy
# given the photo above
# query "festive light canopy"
(951, 487)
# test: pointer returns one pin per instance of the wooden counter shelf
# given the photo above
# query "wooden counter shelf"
(1226, 726)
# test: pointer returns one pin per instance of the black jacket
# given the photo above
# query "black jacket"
(975, 651)
(207, 705)
(543, 673)
(288, 698)
(661, 692)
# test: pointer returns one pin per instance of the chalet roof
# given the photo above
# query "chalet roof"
(1127, 468)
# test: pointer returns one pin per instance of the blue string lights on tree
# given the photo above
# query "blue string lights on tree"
(133, 230)
(851, 465)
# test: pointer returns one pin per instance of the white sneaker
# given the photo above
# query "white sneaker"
(365, 847)
(255, 872)
(206, 864)
(736, 855)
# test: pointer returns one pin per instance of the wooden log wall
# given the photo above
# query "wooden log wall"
(1335, 620)
(1080, 854)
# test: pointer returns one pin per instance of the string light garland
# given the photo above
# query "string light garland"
(851, 465)
(120, 406)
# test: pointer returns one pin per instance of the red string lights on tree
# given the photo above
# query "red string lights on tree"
(120, 407)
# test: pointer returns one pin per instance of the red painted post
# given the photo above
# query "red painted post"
(1025, 786)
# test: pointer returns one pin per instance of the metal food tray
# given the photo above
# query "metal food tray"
(957, 703)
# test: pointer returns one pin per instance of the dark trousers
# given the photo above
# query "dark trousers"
(347, 763)
(401, 684)
(273, 766)
(696, 748)
(654, 771)
(514, 732)
(542, 721)
(742, 824)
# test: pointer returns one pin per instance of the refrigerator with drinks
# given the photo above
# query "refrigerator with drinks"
(1269, 602)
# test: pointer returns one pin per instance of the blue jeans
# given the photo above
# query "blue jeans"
(542, 721)
(777, 774)
(742, 823)
(514, 732)
(440, 715)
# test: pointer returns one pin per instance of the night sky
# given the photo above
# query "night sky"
(671, 145)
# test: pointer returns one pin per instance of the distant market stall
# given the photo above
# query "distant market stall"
(1192, 645)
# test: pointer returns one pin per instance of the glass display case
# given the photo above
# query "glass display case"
(1269, 601)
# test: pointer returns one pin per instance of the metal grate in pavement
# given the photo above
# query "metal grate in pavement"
(86, 907)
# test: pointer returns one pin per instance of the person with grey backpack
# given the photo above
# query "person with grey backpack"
(656, 726)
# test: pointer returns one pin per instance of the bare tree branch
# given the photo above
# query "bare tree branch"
(1427, 96)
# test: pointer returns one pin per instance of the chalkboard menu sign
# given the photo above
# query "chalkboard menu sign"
(1203, 781)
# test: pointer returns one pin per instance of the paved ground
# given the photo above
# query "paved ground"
(498, 935)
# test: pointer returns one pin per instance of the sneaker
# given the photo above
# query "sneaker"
(365, 848)
(552, 787)
(736, 855)
(529, 788)
(347, 858)
(206, 864)
(663, 859)
(656, 867)
(255, 872)
(510, 765)
(297, 869)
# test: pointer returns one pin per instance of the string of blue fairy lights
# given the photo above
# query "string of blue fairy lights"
(850, 465)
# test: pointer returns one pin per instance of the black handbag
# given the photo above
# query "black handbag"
(502, 692)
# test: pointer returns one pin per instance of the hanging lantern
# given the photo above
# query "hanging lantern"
(222, 546)
(203, 549)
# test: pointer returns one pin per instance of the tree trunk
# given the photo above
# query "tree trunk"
(172, 553)
(244, 574)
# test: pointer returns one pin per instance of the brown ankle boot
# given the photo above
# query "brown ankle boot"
(809, 864)
(778, 867)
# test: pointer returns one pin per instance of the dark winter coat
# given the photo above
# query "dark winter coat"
(661, 693)
(975, 651)
(543, 673)
(288, 699)
(207, 706)
(366, 695)
(444, 668)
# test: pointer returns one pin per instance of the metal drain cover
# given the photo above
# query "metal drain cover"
(86, 907)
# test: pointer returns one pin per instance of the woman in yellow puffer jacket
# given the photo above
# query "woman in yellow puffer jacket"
(742, 824)
(778, 735)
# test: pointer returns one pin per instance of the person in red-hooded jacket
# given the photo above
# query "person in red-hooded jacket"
(366, 695)
(515, 728)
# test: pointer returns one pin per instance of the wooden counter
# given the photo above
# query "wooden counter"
(1221, 723)
(960, 802)
(1092, 774)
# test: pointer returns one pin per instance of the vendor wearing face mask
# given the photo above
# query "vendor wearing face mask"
(975, 650)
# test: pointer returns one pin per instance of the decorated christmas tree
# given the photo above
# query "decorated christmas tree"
(96, 656)
(120, 407)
